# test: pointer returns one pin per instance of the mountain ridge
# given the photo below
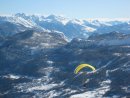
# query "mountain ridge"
(72, 28)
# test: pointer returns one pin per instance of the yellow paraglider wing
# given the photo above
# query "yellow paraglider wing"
(82, 66)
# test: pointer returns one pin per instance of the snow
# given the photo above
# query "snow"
(117, 54)
(126, 88)
(109, 71)
(84, 26)
(50, 62)
(52, 94)
(36, 35)
(25, 23)
(19, 20)
(56, 18)
(11, 76)
(76, 21)
(128, 54)
(99, 22)
(97, 93)
(34, 50)
(61, 34)
(42, 87)
(109, 19)
(89, 29)
(64, 22)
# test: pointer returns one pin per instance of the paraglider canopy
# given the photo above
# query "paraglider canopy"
(81, 66)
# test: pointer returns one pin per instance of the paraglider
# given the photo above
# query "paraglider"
(81, 66)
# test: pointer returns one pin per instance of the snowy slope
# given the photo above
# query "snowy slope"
(10, 25)
(41, 64)
(72, 28)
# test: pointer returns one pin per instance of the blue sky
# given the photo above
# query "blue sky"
(69, 8)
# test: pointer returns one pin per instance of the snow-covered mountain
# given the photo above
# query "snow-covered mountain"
(99, 40)
(72, 28)
(37, 60)
(37, 64)
(10, 25)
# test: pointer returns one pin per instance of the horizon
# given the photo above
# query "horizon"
(79, 9)
(91, 19)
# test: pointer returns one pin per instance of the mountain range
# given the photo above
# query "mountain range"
(38, 55)
(71, 28)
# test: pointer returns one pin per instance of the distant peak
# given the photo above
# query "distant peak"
(20, 14)
(55, 17)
